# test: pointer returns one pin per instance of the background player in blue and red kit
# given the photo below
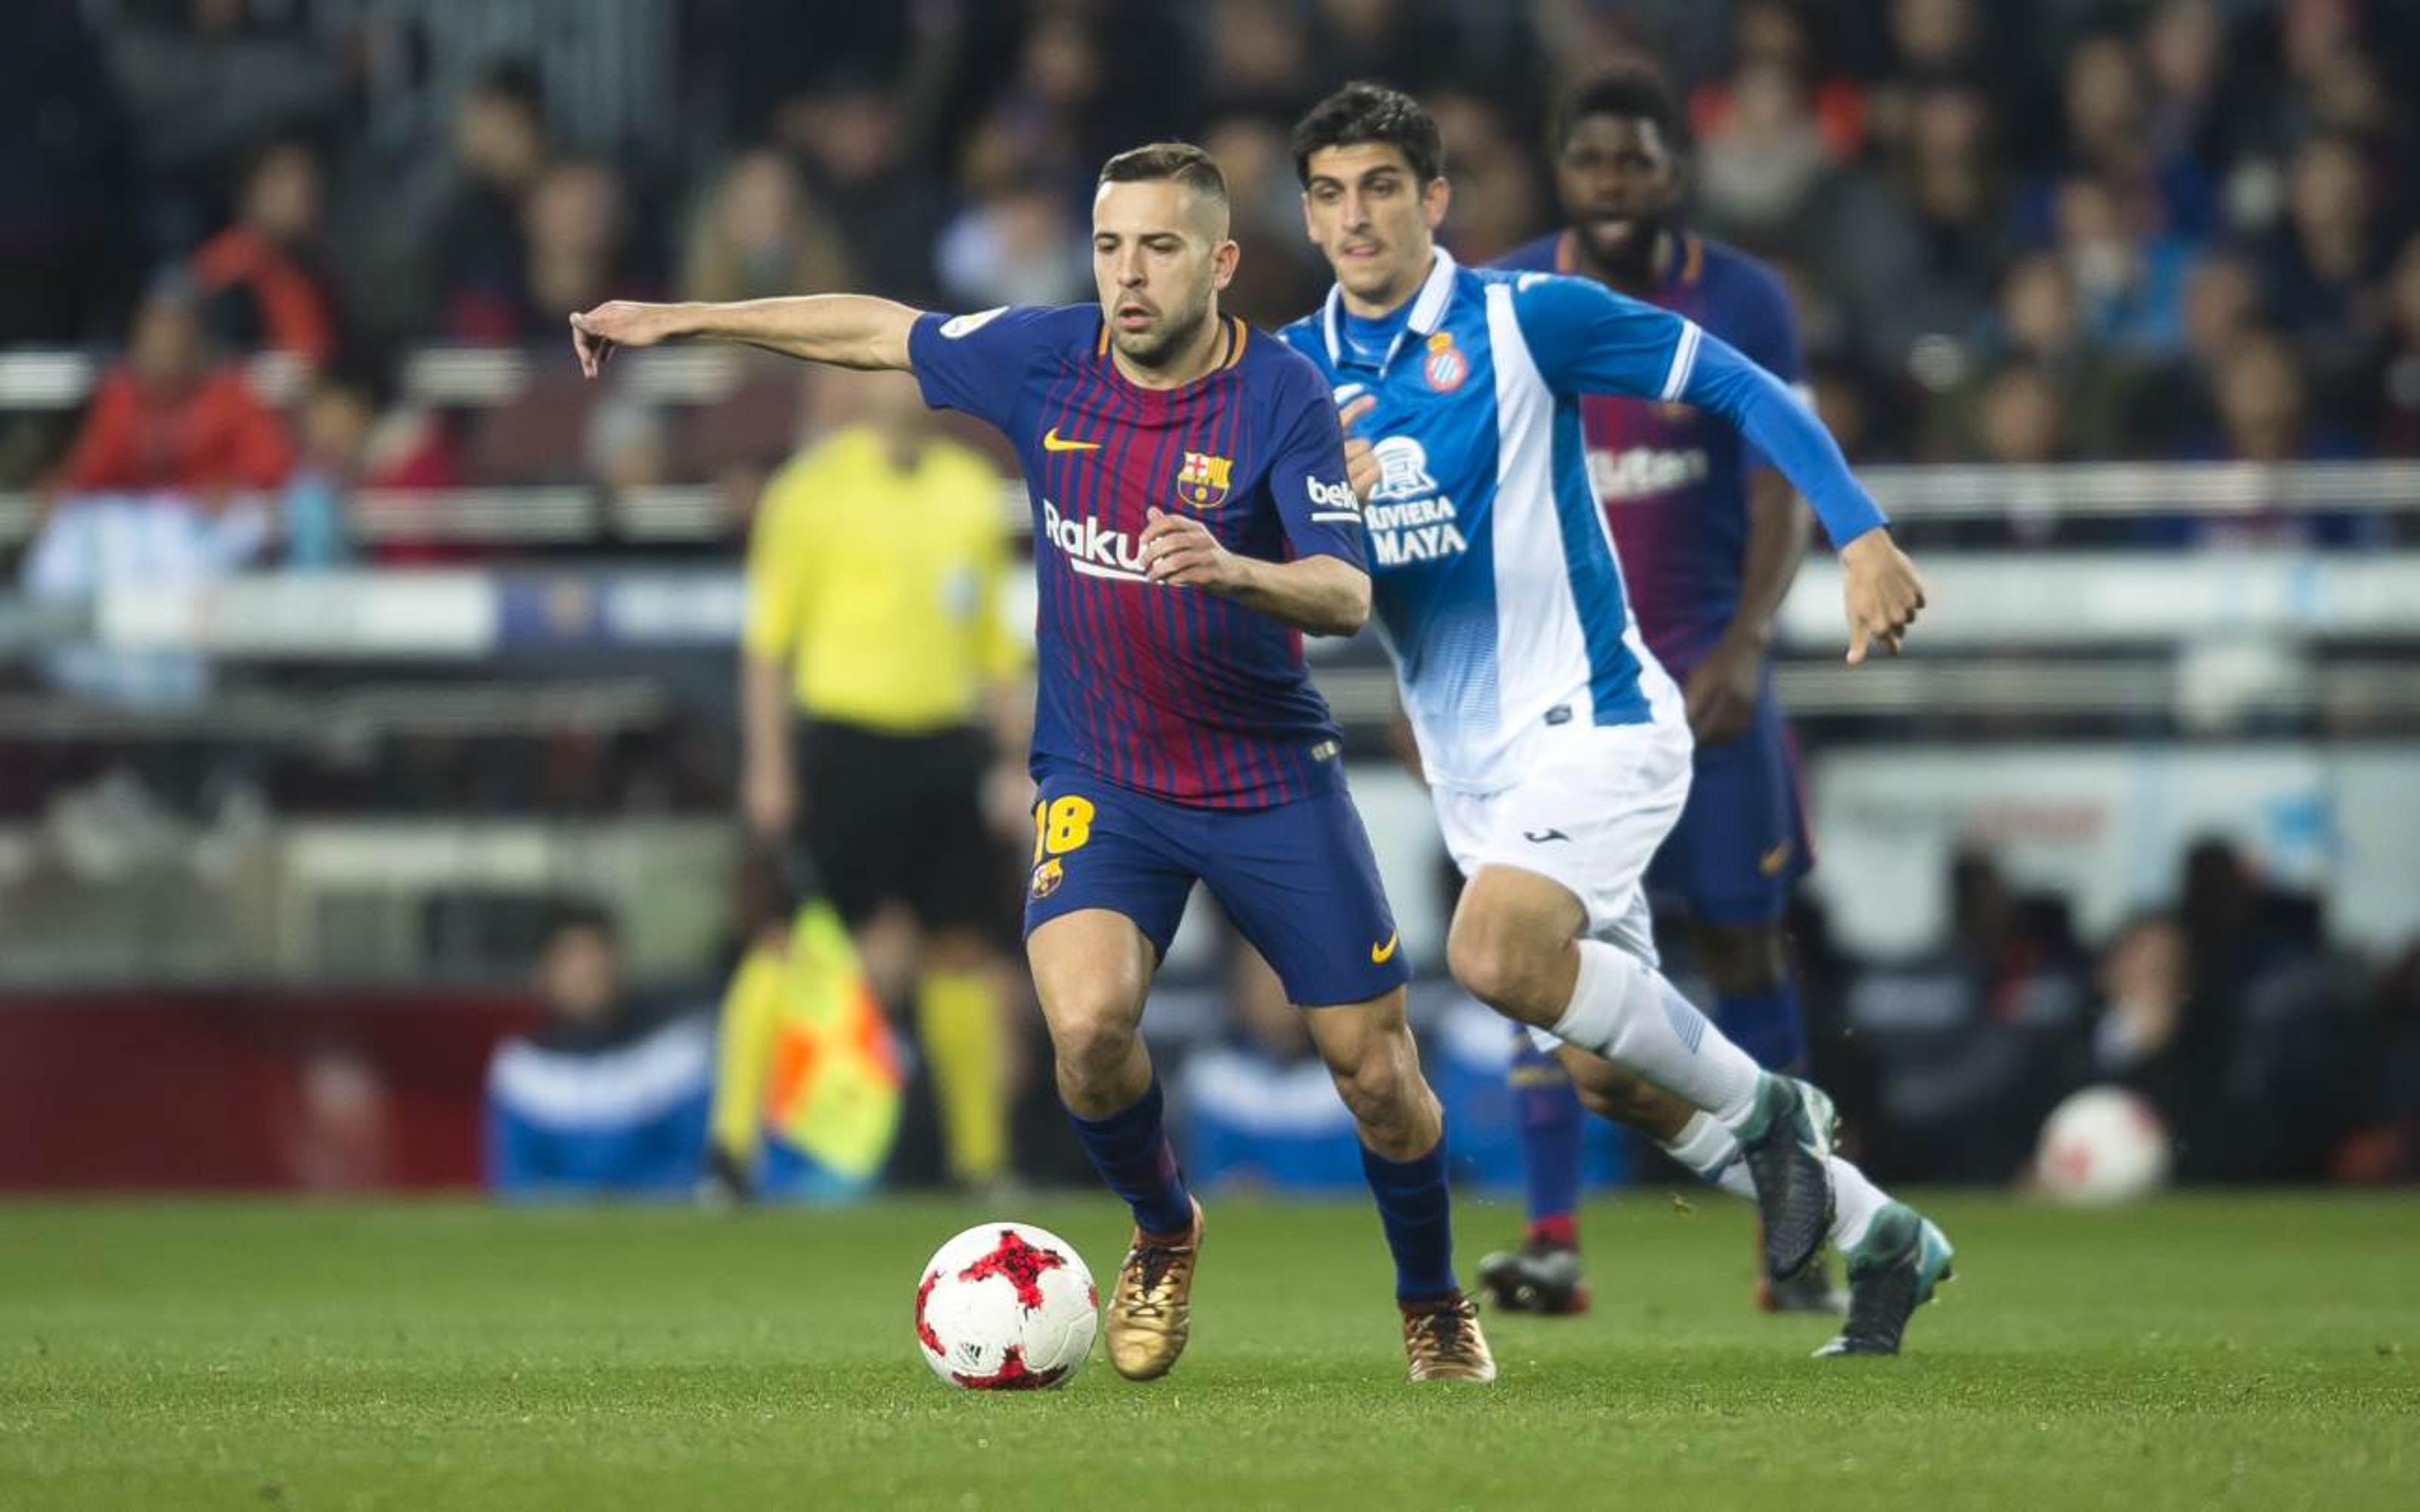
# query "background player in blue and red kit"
(1192, 518)
(1710, 536)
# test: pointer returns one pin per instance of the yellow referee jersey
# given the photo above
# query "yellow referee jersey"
(882, 586)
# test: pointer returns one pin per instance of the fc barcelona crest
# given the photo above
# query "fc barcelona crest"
(1202, 483)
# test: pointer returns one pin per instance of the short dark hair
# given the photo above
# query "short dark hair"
(1364, 112)
(1628, 94)
(566, 915)
(1161, 161)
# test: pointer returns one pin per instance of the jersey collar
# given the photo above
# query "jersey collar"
(1428, 313)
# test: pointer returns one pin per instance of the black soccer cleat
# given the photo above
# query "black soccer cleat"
(1540, 1278)
(1904, 1259)
(1787, 1143)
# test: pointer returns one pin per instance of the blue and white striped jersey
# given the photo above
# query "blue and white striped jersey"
(1493, 574)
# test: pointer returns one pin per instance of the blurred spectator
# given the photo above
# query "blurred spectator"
(2317, 266)
(1407, 43)
(574, 256)
(166, 418)
(606, 1098)
(2021, 418)
(1017, 244)
(1255, 56)
(202, 81)
(2220, 304)
(335, 421)
(2109, 135)
(1763, 156)
(1774, 41)
(1280, 275)
(167, 442)
(757, 236)
(862, 166)
(2041, 325)
(260, 279)
(1970, 1046)
(2389, 395)
(500, 149)
(2264, 407)
(1496, 202)
(2184, 62)
(2129, 279)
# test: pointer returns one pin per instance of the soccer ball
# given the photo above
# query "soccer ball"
(2103, 1145)
(1006, 1307)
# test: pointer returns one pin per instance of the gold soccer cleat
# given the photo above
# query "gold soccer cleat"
(1443, 1343)
(1150, 1309)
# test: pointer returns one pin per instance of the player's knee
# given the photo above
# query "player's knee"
(1092, 1049)
(1389, 1098)
(1741, 960)
(1501, 964)
(1610, 1092)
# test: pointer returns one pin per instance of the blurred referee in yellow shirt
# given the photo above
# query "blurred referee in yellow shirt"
(875, 674)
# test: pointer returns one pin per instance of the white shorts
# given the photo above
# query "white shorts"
(1591, 808)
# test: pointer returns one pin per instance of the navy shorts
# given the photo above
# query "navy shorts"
(1741, 844)
(1298, 879)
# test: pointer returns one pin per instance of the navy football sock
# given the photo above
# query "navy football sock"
(1130, 1149)
(1416, 1212)
(1767, 1026)
(1550, 1112)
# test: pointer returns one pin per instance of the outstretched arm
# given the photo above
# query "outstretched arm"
(1588, 339)
(844, 330)
(1882, 591)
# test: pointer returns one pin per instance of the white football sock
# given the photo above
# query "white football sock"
(1708, 1149)
(1625, 1011)
(1854, 1202)
(1705, 1147)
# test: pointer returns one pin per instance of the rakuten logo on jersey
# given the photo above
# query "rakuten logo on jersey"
(1643, 472)
(1091, 551)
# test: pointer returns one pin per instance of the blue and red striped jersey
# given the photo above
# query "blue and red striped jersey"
(1170, 691)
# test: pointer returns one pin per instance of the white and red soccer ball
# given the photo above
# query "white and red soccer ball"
(1006, 1306)
(2103, 1145)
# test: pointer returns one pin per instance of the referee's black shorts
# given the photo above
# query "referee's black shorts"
(899, 819)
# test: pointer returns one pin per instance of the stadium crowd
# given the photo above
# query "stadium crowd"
(2050, 231)
(2069, 229)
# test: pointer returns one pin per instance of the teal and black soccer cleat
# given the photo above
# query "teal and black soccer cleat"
(1787, 1141)
(1904, 1258)
(1811, 1290)
(1539, 1277)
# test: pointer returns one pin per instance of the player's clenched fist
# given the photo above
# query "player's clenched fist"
(1882, 591)
(595, 333)
(1180, 550)
(1360, 459)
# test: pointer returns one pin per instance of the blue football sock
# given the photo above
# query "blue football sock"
(1550, 1139)
(1767, 1026)
(1417, 1210)
(1130, 1149)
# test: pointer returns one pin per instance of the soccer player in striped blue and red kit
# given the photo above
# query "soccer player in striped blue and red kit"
(1193, 519)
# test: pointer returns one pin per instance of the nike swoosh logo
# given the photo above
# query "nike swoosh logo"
(1052, 441)
(1381, 954)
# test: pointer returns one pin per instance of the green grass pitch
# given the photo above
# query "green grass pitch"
(2258, 1351)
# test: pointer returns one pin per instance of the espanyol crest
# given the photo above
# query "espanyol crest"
(1202, 482)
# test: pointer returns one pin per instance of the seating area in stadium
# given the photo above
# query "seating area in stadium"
(343, 624)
